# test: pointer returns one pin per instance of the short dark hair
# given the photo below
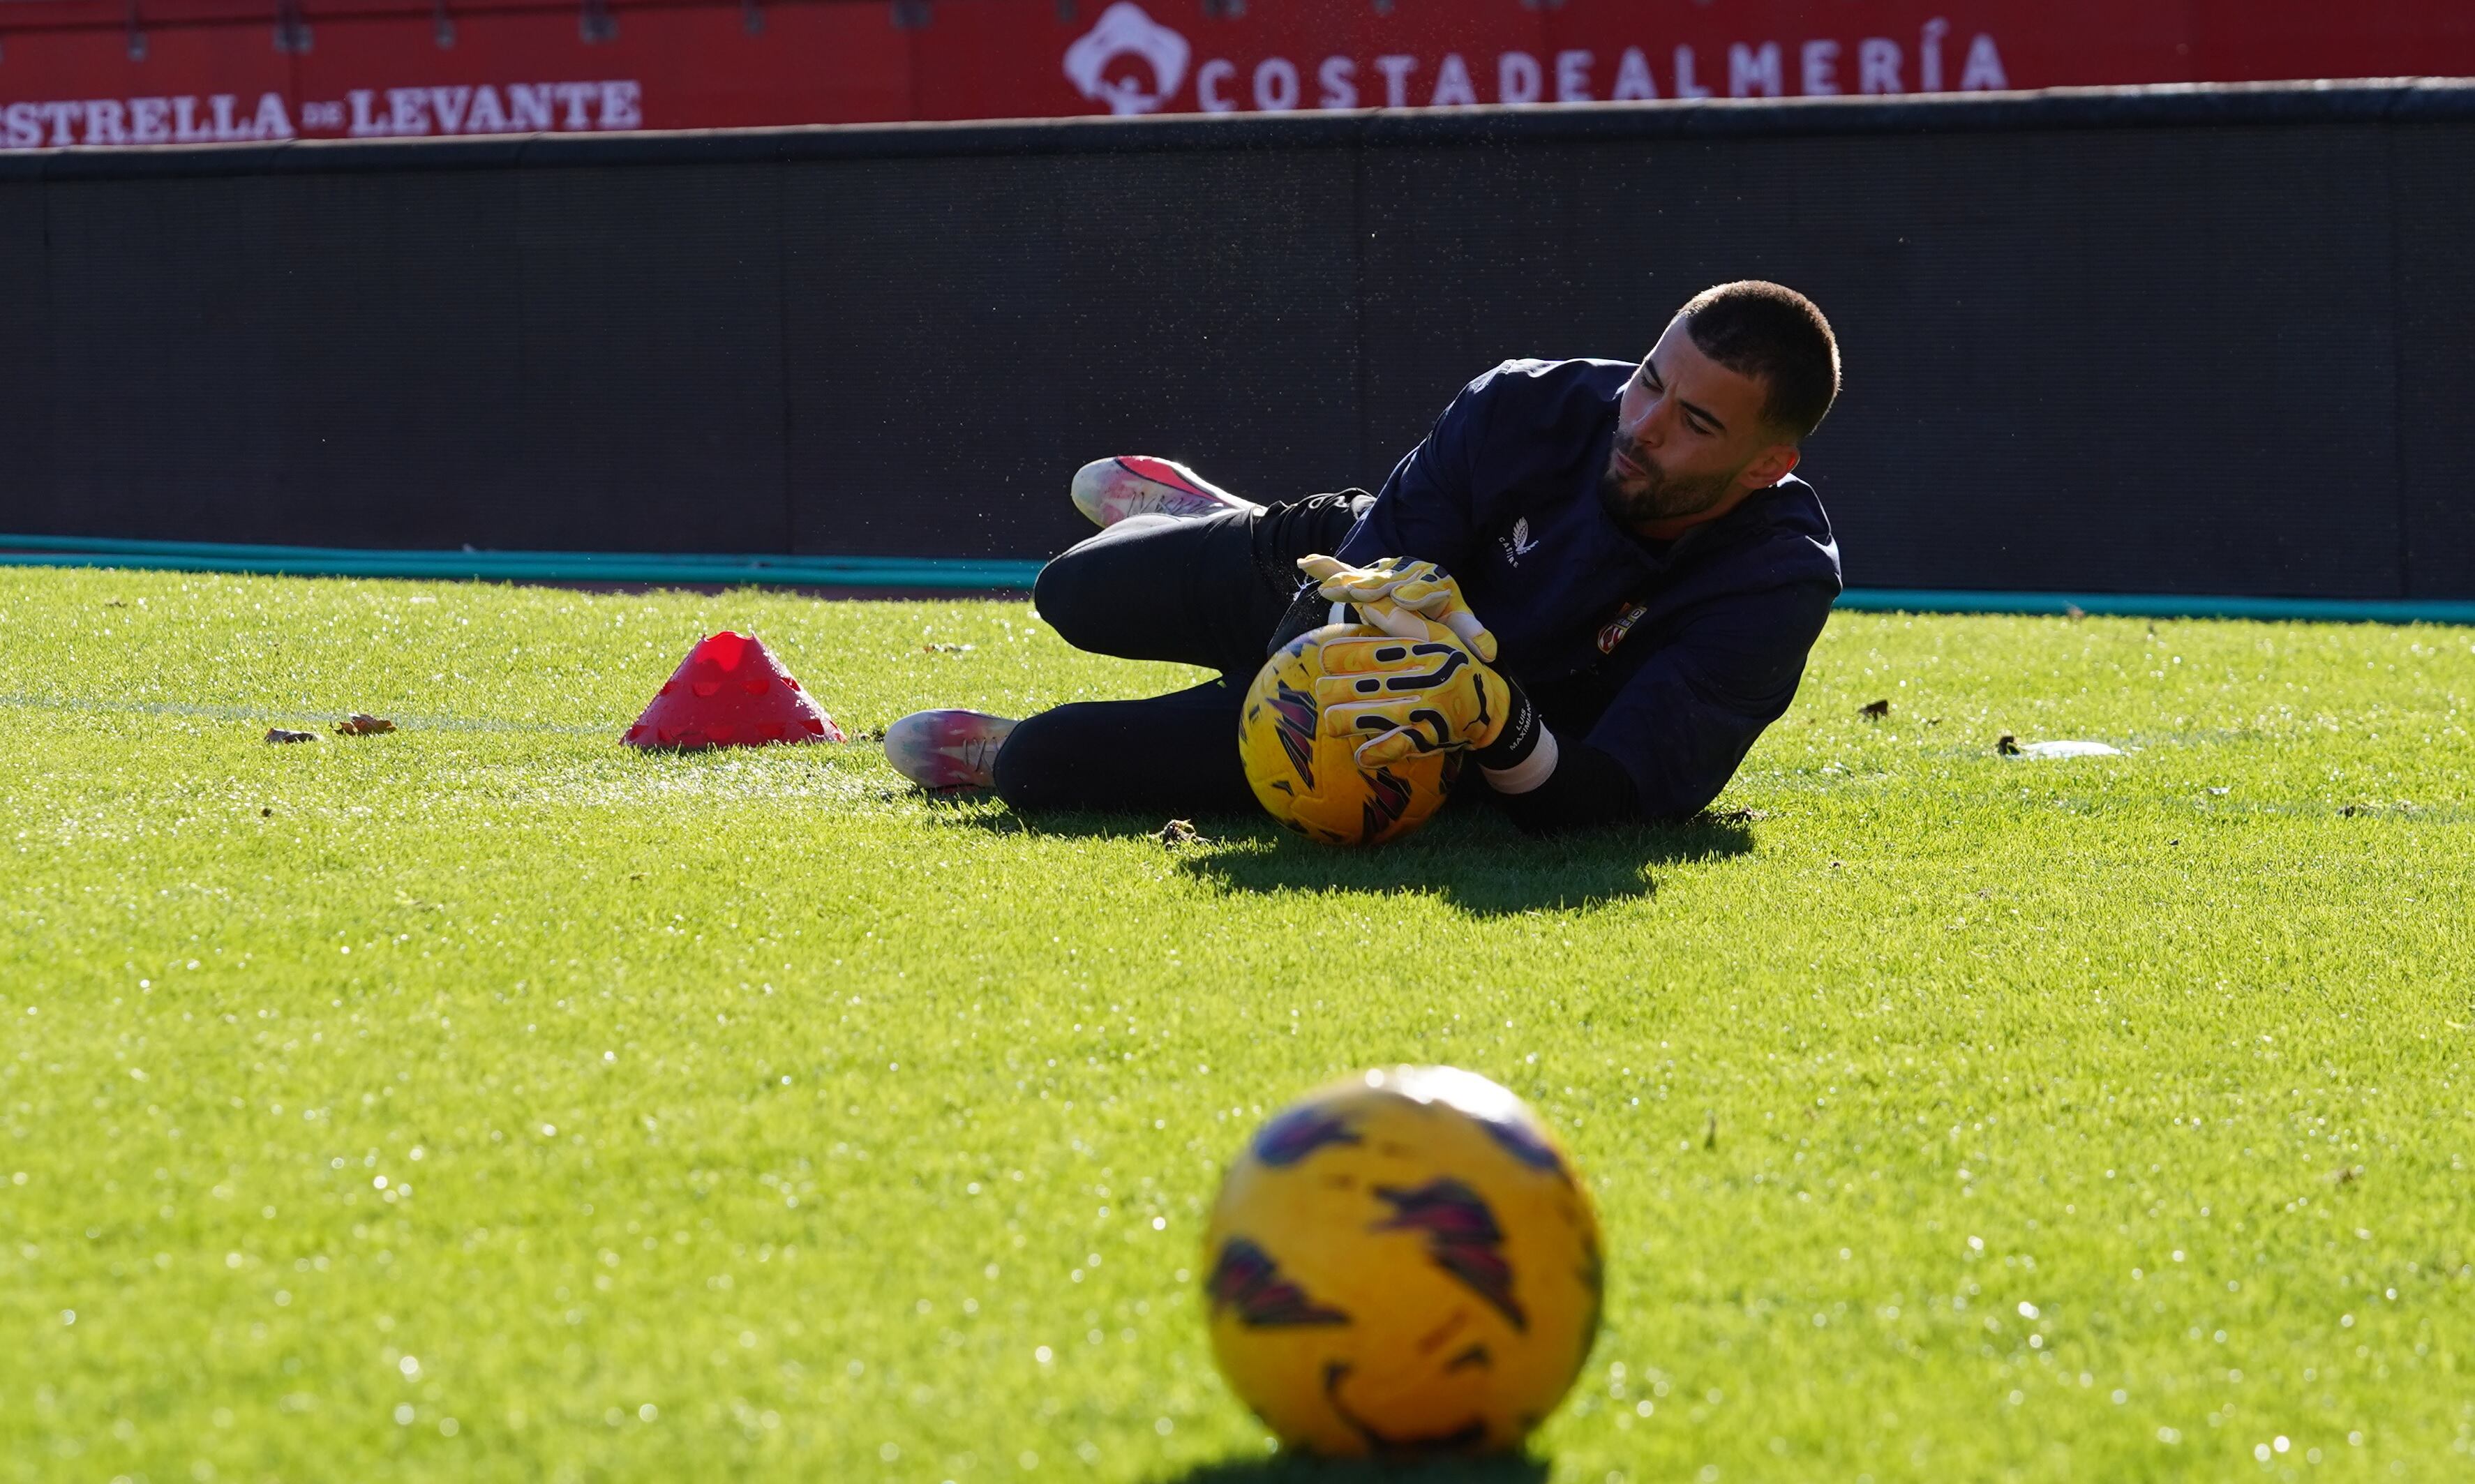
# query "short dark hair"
(1775, 335)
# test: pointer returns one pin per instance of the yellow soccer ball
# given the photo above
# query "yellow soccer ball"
(1402, 1262)
(1313, 783)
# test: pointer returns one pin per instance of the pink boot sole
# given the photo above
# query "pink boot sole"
(1109, 490)
(948, 749)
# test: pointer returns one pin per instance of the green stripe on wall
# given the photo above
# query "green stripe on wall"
(960, 573)
(2155, 605)
(975, 574)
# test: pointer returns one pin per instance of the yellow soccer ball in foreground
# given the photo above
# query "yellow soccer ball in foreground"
(1402, 1262)
(1310, 782)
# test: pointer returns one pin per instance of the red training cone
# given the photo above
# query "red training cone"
(729, 693)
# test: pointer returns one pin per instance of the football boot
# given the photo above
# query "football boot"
(1108, 490)
(947, 750)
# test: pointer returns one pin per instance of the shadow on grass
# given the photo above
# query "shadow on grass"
(1478, 864)
(1288, 1469)
(1472, 857)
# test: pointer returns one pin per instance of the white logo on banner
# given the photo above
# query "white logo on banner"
(1125, 31)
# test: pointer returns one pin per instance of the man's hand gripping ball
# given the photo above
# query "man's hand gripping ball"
(1395, 592)
(1307, 775)
(1401, 696)
(1354, 732)
(1427, 685)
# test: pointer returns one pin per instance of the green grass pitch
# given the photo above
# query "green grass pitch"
(488, 1101)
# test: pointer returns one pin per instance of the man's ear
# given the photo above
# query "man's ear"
(1768, 467)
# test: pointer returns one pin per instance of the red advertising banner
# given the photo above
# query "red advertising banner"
(135, 72)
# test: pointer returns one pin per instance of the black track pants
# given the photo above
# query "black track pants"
(1205, 592)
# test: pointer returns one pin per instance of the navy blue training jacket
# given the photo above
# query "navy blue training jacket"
(1503, 492)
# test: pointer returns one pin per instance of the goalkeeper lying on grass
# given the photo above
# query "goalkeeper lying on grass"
(1623, 552)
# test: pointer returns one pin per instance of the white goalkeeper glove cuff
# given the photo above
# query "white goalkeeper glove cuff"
(1523, 755)
(1528, 773)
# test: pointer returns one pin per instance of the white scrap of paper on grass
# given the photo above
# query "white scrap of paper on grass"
(2068, 749)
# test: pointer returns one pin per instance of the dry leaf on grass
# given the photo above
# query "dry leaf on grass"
(361, 723)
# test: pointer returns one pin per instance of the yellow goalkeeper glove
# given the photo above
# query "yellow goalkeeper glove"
(1400, 586)
(1401, 695)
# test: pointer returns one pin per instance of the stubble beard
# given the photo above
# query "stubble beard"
(1655, 496)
